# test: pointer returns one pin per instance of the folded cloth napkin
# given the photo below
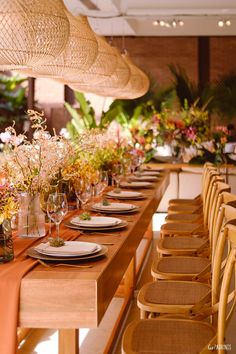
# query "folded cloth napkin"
(114, 206)
(74, 248)
(94, 221)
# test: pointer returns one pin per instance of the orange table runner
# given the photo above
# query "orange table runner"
(11, 274)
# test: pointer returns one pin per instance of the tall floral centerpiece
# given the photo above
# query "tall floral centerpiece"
(32, 166)
(8, 207)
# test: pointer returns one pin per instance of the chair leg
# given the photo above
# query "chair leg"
(143, 314)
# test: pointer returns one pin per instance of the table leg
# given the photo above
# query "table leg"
(129, 279)
(68, 341)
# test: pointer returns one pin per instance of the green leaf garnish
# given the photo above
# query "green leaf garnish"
(117, 190)
(85, 216)
(105, 202)
(56, 242)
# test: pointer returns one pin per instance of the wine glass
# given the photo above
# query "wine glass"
(83, 192)
(117, 174)
(57, 207)
(103, 182)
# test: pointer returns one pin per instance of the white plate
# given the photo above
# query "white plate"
(143, 178)
(96, 221)
(232, 156)
(147, 173)
(70, 249)
(136, 184)
(114, 206)
(125, 194)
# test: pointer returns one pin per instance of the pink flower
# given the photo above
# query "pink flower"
(222, 128)
(191, 133)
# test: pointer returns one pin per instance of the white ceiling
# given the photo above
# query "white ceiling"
(135, 17)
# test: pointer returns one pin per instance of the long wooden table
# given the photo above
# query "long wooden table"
(69, 299)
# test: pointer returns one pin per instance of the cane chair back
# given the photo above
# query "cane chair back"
(223, 314)
(227, 215)
(215, 204)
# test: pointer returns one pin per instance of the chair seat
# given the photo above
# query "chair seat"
(178, 267)
(183, 229)
(169, 296)
(184, 218)
(178, 202)
(188, 209)
(166, 336)
(181, 245)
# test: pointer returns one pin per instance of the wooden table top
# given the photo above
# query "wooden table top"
(74, 298)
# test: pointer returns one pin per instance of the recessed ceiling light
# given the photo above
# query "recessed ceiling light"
(228, 23)
(155, 23)
(162, 23)
(181, 23)
(221, 23)
(174, 23)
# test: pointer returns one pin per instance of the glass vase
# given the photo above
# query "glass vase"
(6, 242)
(31, 218)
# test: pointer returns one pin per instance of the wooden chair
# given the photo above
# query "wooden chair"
(200, 216)
(177, 336)
(168, 296)
(199, 198)
(185, 243)
(186, 208)
(195, 268)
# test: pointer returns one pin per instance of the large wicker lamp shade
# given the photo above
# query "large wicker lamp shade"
(117, 80)
(104, 65)
(31, 31)
(138, 83)
(79, 54)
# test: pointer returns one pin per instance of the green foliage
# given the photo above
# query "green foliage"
(225, 96)
(13, 101)
(83, 118)
(190, 92)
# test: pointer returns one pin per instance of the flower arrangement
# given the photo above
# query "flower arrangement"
(213, 149)
(184, 128)
(8, 203)
(33, 165)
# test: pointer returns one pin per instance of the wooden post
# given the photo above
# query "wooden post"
(68, 341)
(31, 93)
(69, 95)
(203, 61)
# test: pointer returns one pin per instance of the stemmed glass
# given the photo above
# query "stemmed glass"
(57, 208)
(117, 174)
(83, 192)
(103, 182)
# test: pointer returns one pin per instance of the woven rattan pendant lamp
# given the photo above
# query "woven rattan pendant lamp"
(79, 54)
(103, 67)
(117, 80)
(31, 31)
(138, 83)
